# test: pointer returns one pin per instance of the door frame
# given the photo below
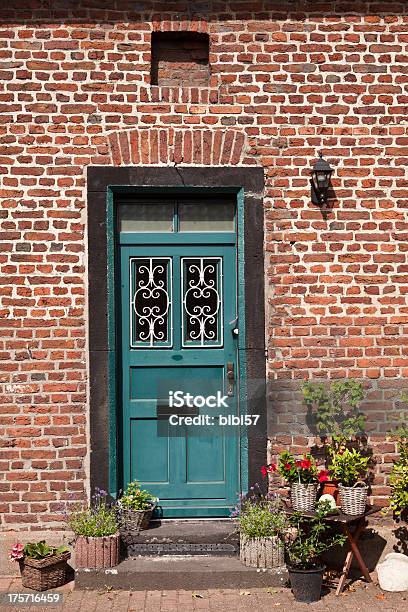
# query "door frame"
(246, 184)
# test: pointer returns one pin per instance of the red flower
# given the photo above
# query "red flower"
(264, 471)
(305, 464)
(288, 466)
(272, 468)
(323, 475)
(17, 552)
(298, 463)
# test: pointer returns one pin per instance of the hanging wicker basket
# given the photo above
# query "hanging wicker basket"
(261, 552)
(44, 574)
(303, 496)
(353, 500)
(135, 520)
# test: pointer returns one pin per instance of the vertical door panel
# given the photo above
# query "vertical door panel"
(148, 462)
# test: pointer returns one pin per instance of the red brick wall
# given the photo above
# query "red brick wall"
(287, 79)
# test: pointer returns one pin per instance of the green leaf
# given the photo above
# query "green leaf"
(41, 550)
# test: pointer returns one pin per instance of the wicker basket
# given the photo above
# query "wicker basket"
(134, 520)
(44, 574)
(353, 500)
(261, 552)
(303, 496)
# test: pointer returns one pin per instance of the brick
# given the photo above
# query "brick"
(266, 92)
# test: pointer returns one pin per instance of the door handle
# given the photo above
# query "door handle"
(230, 379)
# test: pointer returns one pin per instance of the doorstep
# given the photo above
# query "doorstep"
(179, 572)
(184, 537)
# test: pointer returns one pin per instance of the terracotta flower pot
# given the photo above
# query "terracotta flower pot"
(97, 553)
(331, 488)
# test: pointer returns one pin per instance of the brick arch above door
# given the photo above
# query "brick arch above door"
(159, 146)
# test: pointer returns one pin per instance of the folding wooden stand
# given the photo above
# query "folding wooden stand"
(353, 537)
(352, 527)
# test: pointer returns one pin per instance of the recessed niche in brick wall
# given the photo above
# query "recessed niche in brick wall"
(180, 59)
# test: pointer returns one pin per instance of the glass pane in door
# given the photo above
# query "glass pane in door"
(203, 216)
(146, 217)
(201, 286)
(151, 322)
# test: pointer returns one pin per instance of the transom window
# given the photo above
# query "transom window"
(195, 215)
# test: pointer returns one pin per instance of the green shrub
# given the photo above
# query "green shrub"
(41, 550)
(259, 520)
(334, 409)
(348, 466)
(309, 538)
(399, 472)
(136, 498)
(399, 488)
(97, 520)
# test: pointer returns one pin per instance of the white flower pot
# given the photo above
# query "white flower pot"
(353, 500)
(261, 552)
(303, 496)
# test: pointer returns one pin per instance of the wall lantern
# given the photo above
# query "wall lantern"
(320, 180)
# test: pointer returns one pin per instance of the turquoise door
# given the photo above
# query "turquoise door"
(178, 294)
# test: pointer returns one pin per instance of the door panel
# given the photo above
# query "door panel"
(149, 463)
(178, 308)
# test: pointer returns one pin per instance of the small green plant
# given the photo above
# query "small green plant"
(259, 520)
(334, 409)
(35, 550)
(401, 434)
(399, 488)
(348, 466)
(309, 537)
(259, 513)
(41, 550)
(136, 498)
(97, 520)
(399, 472)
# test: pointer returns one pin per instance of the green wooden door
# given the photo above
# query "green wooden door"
(178, 294)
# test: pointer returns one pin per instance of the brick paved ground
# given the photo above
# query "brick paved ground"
(361, 597)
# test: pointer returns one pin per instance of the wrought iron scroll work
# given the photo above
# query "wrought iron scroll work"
(150, 301)
(202, 301)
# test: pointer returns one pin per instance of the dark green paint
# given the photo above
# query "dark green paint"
(236, 466)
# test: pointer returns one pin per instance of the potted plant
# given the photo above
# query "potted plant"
(302, 476)
(308, 538)
(349, 468)
(261, 526)
(97, 533)
(334, 410)
(334, 413)
(42, 567)
(399, 472)
(136, 508)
